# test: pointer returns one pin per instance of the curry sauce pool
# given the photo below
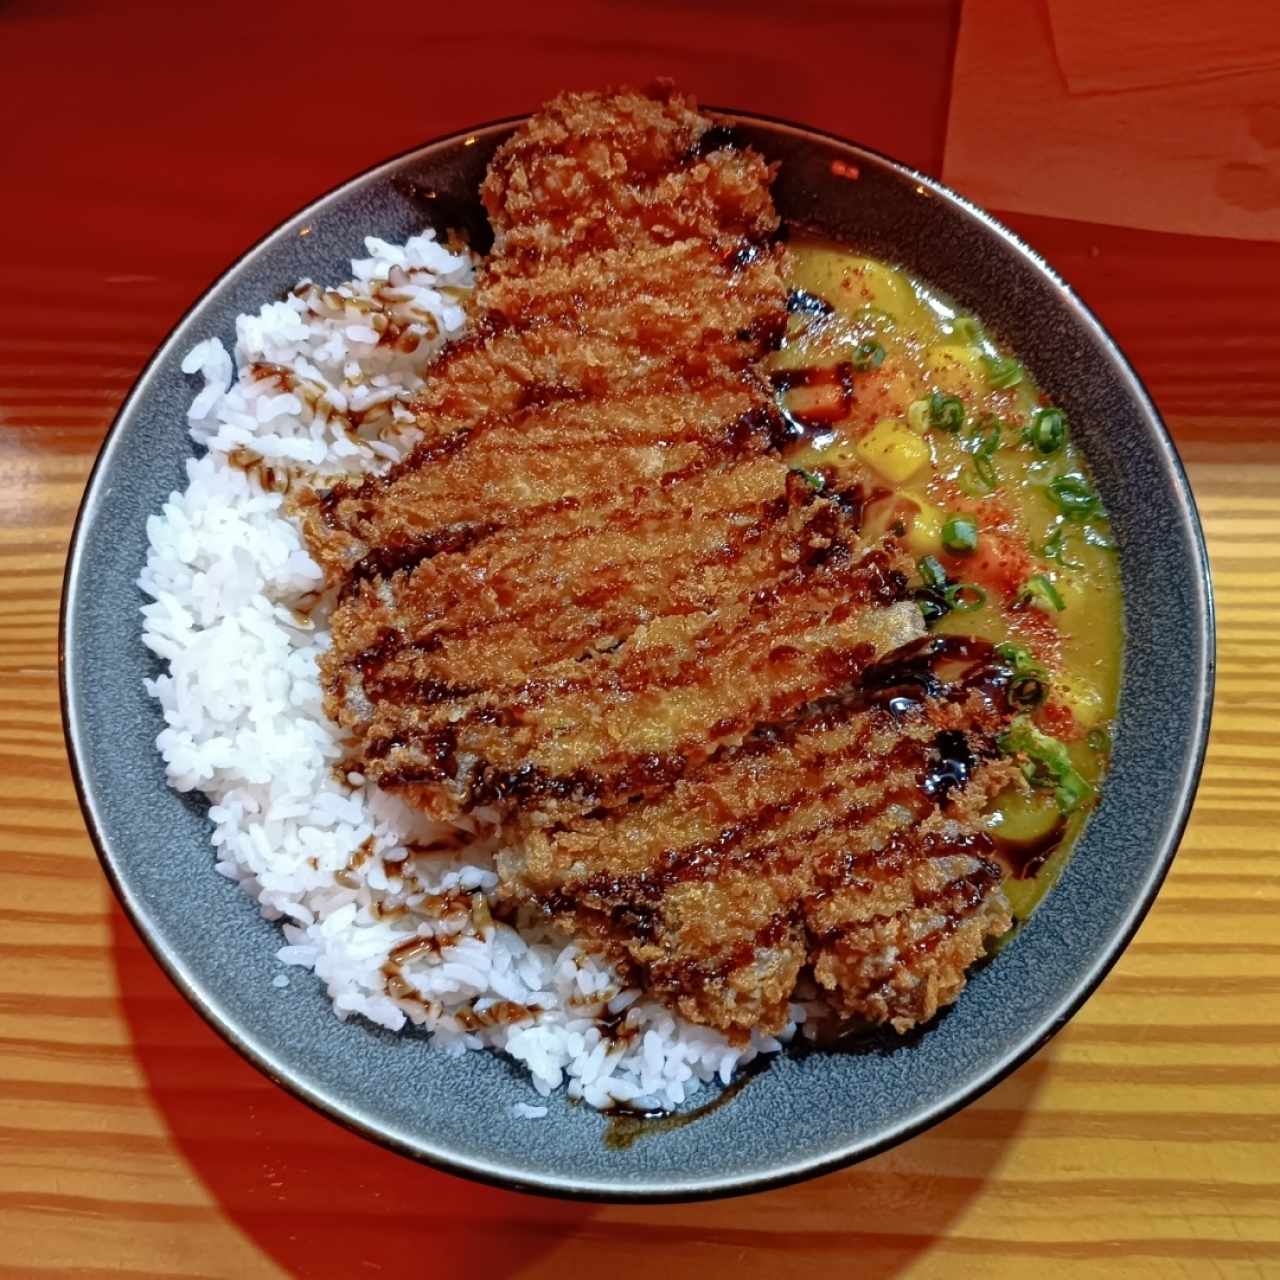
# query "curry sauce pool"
(978, 470)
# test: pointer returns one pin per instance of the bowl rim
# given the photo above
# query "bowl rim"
(568, 1185)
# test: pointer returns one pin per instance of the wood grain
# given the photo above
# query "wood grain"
(1141, 1143)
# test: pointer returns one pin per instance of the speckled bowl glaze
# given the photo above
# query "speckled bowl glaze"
(808, 1112)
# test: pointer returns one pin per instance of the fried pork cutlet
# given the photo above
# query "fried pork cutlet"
(596, 569)
(543, 471)
(579, 734)
(845, 842)
(595, 598)
(619, 320)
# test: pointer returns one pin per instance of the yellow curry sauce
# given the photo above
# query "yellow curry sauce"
(977, 473)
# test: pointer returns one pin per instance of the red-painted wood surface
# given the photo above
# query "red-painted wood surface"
(143, 147)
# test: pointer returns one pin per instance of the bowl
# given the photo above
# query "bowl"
(807, 1112)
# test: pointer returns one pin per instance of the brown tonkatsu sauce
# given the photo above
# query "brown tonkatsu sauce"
(627, 1124)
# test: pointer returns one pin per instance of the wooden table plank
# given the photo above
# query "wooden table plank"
(134, 1143)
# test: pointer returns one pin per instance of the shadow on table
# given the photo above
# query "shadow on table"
(878, 1220)
(322, 1202)
(318, 1200)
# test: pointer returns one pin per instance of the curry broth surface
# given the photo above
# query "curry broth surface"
(867, 346)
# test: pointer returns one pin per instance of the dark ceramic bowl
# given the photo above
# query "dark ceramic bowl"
(807, 1112)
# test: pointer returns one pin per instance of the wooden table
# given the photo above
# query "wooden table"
(141, 152)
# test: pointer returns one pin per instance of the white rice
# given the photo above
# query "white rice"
(238, 619)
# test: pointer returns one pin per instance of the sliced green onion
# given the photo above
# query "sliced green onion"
(1098, 740)
(1039, 592)
(1071, 792)
(985, 438)
(966, 328)
(1026, 692)
(1048, 763)
(1002, 371)
(1019, 658)
(918, 415)
(946, 412)
(1055, 548)
(932, 574)
(965, 597)
(811, 478)
(868, 355)
(1048, 430)
(988, 444)
(1096, 538)
(983, 442)
(960, 533)
(985, 470)
(1073, 495)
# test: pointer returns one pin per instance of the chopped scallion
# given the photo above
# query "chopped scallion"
(946, 412)
(931, 605)
(1048, 763)
(985, 438)
(985, 470)
(1048, 430)
(1040, 593)
(965, 597)
(1055, 548)
(868, 355)
(1071, 792)
(1073, 495)
(960, 533)
(1019, 659)
(811, 478)
(932, 574)
(969, 482)
(1026, 692)
(1002, 371)
(983, 442)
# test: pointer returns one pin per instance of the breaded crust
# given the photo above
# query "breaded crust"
(831, 843)
(596, 599)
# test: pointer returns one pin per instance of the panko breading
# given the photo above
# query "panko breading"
(840, 842)
(578, 734)
(633, 283)
(595, 598)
